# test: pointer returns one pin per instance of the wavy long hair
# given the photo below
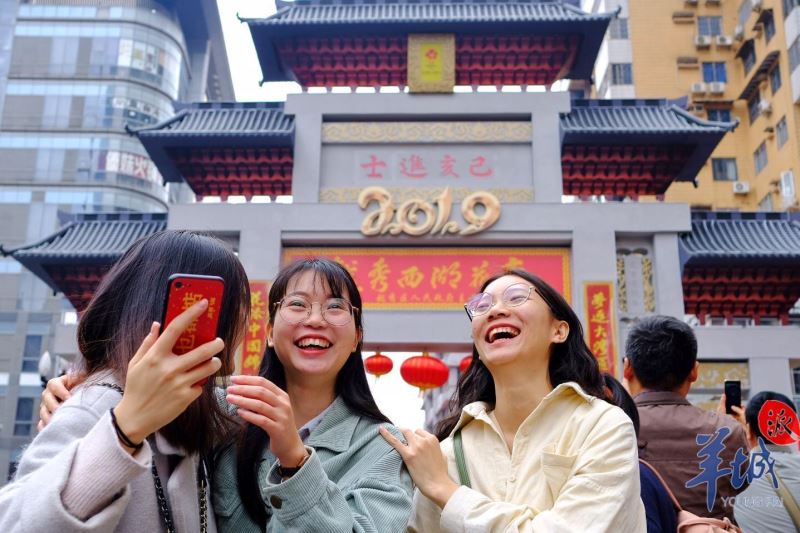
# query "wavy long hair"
(131, 297)
(570, 360)
(351, 382)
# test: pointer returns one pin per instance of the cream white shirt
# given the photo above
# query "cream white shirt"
(573, 467)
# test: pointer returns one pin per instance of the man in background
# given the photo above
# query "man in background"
(660, 366)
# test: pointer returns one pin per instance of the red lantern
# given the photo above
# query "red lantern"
(424, 372)
(464, 364)
(378, 365)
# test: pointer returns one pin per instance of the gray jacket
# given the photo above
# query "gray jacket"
(75, 476)
(353, 481)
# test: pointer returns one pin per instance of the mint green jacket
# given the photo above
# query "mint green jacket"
(353, 481)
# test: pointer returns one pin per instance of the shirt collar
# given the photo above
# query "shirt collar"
(480, 410)
(309, 426)
(660, 398)
(335, 430)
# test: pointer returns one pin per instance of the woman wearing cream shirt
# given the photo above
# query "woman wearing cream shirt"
(543, 451)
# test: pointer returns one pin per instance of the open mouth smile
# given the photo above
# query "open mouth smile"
(501, 332)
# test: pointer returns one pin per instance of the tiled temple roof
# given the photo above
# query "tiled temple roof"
(722, 238)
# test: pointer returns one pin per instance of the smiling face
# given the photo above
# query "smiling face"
(310, 347)
(525, 332)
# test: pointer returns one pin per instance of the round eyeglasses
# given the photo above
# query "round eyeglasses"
(514, 296)
(335, 311)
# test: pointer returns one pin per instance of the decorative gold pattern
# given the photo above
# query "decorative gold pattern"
(649, 290)
(402, 194)
(427, 132)
(431, 63)
(622, 293)
(711, 379)
(406, 218)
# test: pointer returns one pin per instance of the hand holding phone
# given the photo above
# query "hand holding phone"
(183, 291)
(733, 395)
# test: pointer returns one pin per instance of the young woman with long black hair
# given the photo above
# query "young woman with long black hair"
(310, 457)
(541, 450)
(125, 451)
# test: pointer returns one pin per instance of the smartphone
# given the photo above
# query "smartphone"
(183, 291)
(733, 394)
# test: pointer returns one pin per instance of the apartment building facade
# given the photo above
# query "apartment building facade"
(726, 60)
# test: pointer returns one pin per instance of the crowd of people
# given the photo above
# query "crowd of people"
(538, 440)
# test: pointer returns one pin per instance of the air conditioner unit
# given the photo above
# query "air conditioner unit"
(724, 40)
(738, 32)
(788, 193)
(699, 87)
(741, 187)
(716, 87)
(756, 4)
(702, 41)
(765, 107)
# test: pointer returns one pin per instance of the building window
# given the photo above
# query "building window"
(724, 168)
(769, 25)
(747, 53)
(621, 74)
(782, 132)
(32, 353)
(753, 106)
(719, 115)
(709, 26)
(760, 157)
(788, 5)
(24, 419)
(714, 71)
(775, 79)
(766, 203)
(794, 54)
(618, 29)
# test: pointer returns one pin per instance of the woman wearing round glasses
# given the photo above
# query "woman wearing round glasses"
(540, 450)
(335, 473)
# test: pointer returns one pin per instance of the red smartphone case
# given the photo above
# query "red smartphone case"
(184, 291)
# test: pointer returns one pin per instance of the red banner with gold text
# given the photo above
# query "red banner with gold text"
(598, 300)
(436, 278)
(255, 336)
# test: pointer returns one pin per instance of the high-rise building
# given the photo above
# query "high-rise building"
(728, 60)
(73, 74)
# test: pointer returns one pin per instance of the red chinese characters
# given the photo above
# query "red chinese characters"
(598, 298)
(417, 166)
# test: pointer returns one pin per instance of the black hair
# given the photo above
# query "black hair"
(570, 360)
(351, 383)
(131, 297)
(754, 407)
(662, 351)
(622, 399)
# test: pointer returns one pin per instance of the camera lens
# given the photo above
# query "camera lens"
(178, 285)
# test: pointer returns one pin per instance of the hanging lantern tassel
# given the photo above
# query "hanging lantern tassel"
(424, 372)
(463, 366)
(378, 365)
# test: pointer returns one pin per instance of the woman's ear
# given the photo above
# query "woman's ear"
(359, 336)
(270, 342)
(561, 332)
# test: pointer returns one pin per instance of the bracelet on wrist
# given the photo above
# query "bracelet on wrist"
(287, 472)
(121, 434)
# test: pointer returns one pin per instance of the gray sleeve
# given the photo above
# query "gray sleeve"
(78, 448)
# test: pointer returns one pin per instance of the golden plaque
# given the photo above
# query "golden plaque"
(431, 63)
